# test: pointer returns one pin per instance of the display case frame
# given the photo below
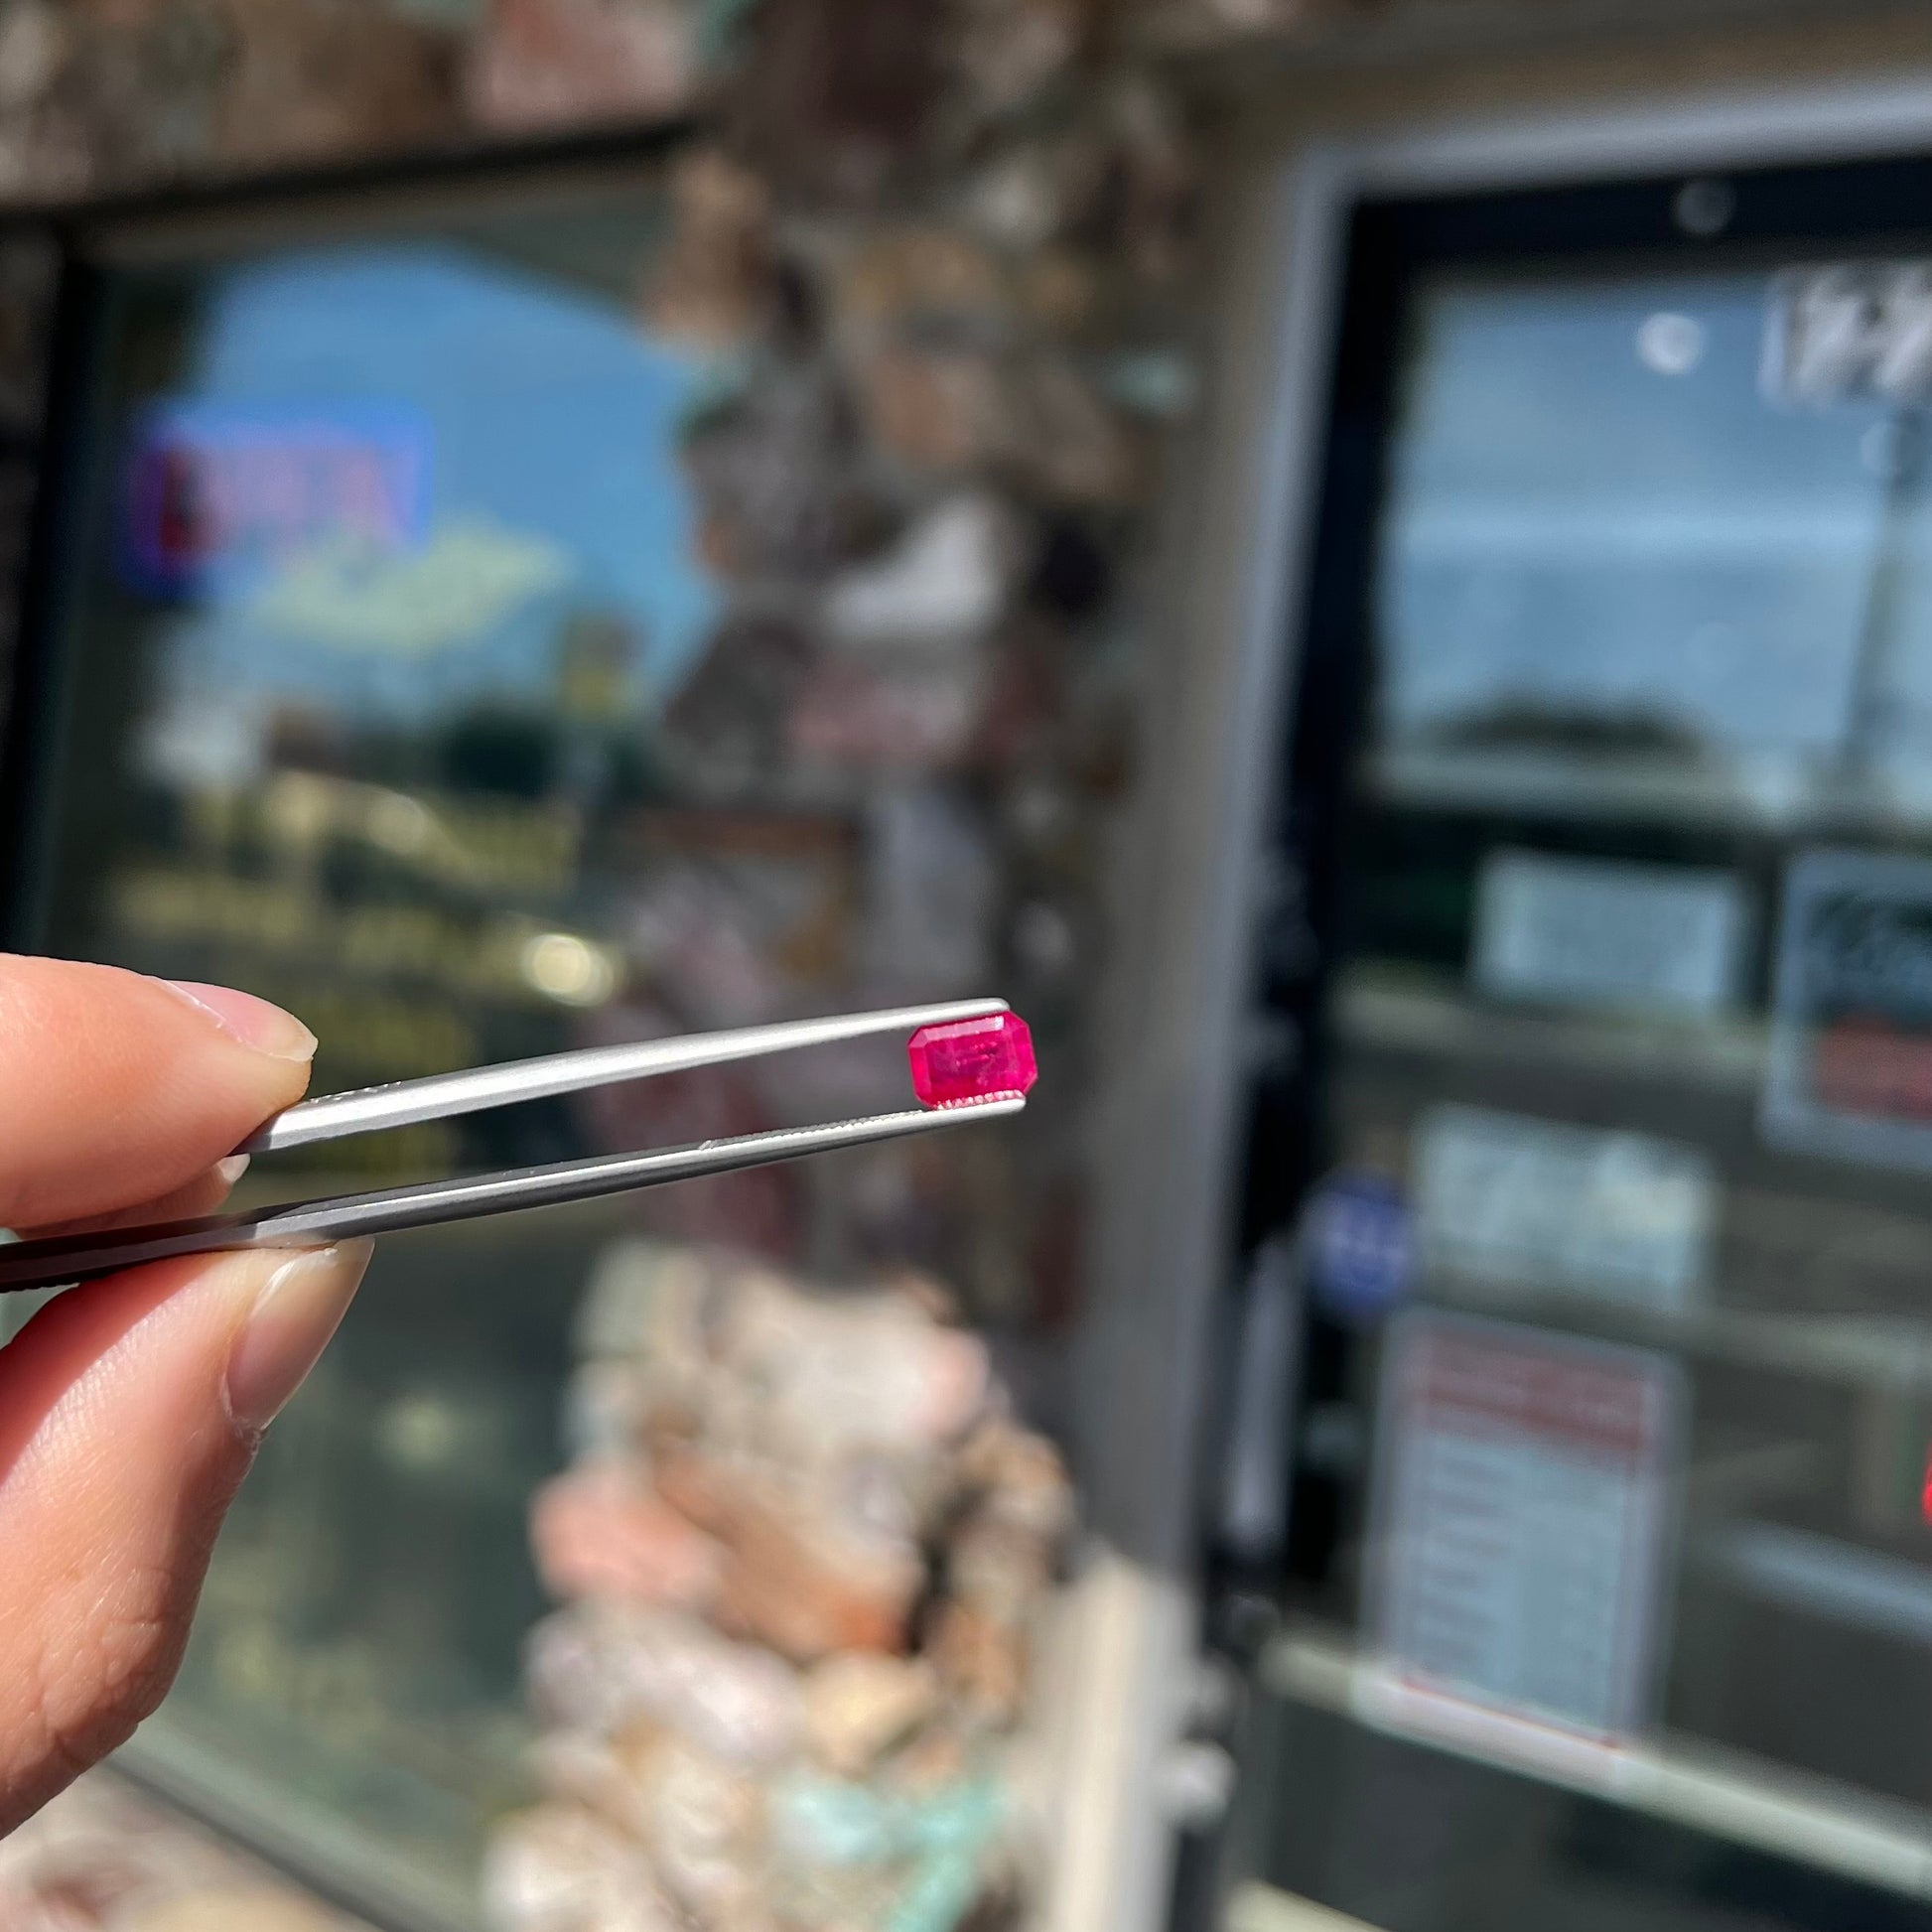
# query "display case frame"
(1279, 465)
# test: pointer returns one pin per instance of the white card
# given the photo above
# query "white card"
(1602, 932)
(1851, 332)
(1509, 1198)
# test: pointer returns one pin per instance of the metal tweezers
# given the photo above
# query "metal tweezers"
(55, 1260)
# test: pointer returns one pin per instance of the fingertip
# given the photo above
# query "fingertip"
(205, 1194)
(140, 1085)
(254, 1022)
(292, 1320)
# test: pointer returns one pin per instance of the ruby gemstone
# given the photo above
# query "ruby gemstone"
(972, 1059)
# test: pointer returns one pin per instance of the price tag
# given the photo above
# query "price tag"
(1509, 1198)
(1604, 933)
(1853, 332)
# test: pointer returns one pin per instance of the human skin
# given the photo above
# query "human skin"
(131, 1406)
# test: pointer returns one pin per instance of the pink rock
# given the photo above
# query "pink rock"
(601, 1530)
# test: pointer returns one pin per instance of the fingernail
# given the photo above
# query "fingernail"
(287, 1329)
(231, 1168)
(267, 1028)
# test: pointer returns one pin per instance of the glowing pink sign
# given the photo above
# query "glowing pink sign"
(218, 493)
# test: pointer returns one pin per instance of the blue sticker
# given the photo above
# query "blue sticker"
(1359, 1239)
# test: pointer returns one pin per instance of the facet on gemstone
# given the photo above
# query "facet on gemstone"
(972, 1059)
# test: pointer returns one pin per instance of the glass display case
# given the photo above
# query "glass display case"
(1593, 1221)
(425, 650)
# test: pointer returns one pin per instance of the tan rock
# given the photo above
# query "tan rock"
(713, 286)
(939, 411)
(582, 1767)
(920, 273)
(982, 1660)
(787, 1582)
(1019, 1477)
(1001, 1568)
(858, 1707)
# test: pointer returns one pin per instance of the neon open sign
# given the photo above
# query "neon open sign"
(217, 494)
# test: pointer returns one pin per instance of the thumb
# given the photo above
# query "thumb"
(129, 1413)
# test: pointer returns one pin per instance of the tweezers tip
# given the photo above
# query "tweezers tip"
(1008, 1100)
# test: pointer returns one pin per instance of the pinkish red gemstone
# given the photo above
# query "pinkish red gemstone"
(972, 1059)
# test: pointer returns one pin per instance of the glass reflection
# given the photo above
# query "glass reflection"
(1628, 1026)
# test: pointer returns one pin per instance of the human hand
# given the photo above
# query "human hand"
(130, 1408)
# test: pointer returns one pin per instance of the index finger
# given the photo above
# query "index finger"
(116, 1089)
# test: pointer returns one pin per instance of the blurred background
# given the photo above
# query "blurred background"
(1367, 564)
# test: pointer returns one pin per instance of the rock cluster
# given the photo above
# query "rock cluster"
(805, 1553)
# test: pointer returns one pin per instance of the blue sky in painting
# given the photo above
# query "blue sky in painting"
(551, 419)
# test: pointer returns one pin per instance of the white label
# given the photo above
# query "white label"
(1520, 1513)
(1598, 932)
(1855, 332)
(1512, 1199)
